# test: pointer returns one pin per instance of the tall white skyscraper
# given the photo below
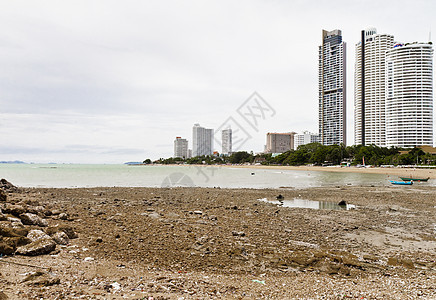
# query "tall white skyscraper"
(409, 95)
(180, 147)
(369, 88)
(202, 141)
(226, 144)
(332, 88)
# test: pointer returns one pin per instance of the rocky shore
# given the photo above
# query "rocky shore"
(205, 243)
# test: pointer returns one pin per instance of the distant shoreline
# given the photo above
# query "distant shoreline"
(404, 172)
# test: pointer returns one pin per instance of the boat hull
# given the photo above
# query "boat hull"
(402, 182)
(414, 179)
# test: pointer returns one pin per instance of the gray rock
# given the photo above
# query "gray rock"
(154, 215)
(63, 216)
(13, 219)
(32, 219)
(36, 234)
(38, 247)
(39, 278)
(61, 238)
(55, 212)
(36, 209)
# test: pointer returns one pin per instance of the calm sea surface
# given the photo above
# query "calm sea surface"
(71, 175)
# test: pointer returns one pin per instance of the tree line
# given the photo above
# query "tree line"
(318, 155)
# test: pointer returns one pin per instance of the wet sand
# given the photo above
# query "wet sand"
(205, 243)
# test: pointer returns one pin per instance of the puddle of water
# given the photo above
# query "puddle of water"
(303, 203)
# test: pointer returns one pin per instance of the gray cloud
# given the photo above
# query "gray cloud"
(134, 75)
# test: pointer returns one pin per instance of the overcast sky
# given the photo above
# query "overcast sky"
(114, 81)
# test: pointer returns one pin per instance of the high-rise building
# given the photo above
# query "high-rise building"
(409, 95)
(180, 147)
(226, 143)
(332, 88)
(202, 141)
(369, 88)
(305, 138)
(279, 142)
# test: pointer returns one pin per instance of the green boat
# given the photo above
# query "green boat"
(414, 179)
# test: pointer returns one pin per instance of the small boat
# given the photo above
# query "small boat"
(402, 182)
(414, 179)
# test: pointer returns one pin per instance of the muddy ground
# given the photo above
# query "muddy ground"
(205, 243)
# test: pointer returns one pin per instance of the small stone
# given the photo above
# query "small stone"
(55, 212)
(3, 196)
(6, 249)
(63, 216)
(99, 240)
(198, 212)
(3, 217)
(238, 233)
(61, 238)
(65, 228)
(41, 279)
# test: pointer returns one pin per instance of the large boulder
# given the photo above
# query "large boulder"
(13, 209)
(32, 219)
(7, 186)
(7, 230)
(36, 234)
(37, 210)
(16, 241)
(39, 247)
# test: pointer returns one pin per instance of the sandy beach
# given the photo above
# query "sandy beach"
(405, 172)
(206, 243)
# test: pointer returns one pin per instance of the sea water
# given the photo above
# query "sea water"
(74, 175)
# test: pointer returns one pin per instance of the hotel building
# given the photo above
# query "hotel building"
(226, 141)
(409, 95)
(202, 141)
(305, 138)
(180, 147)
(279, 142)
(332, 88)
(369, 88)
